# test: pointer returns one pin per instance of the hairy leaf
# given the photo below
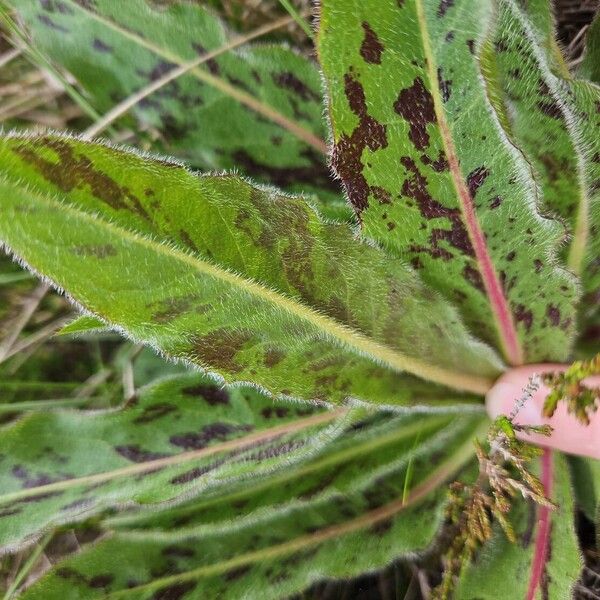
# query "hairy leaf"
(555, 121)
(239, 280)
(115, 50)
(432, 174)
(590, 66)
(585, 475)
(180, 435)
(544, 563)
(278, 536)
(82, 324)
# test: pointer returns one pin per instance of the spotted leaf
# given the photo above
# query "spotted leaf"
(185, 434)
(432, 174)
(258, 110)
(351, 509)
(242, 281)
(554, 119)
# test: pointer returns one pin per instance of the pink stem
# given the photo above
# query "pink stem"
(498, 302)
(542, 538)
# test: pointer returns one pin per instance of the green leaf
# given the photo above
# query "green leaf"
(239, 280)
(82, 324)
(334, 517)
(258, 110)
(546, 560)
(585, 475)
(181, 435)
(590, 66)
(433, 176)
(555, 121)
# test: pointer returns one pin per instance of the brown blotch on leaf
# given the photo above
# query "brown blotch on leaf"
(538, 264)
(219, 348)
(136, 454)
(236, 573)
(496, 202)
(444, 84)
(291, 82)
(101, 581)
(439, 164)
(416, 187)
(178, 551)
(273, 356)
(444, 6)
(415, 104)
(553, 314)
(174, 592)
(74, 172)
(523, 315)
(549, 106)
(346, 158)
(48, 22)
(187, 240)
(212, 64)
(315, 173)
(381, 527)
(196, 472)
(473, 276)
(212, 394)
(274, 411)
(381, 194)
(170, 308)
(151, 413)
(475, 179)
(100, 46)
(53, 6)
(215, 431)
(371, 48)
(98, 251)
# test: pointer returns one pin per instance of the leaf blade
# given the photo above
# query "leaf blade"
(243, 272)
(404, 103)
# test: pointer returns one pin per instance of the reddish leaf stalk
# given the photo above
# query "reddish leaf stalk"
(542, 539)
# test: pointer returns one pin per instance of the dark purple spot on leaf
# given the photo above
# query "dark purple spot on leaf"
(212, 394)
(347, 153)
(444, 6)
(136, 454)
(553, 314)
(101, 581)
(444, 84)
(215, 431)
(151, 413)
(371, 48)
(100, 46)
(415, 104)
(475, 180)
(523, 315)
(48, 22)
(473, 276)
(291, 82)
(174, 592)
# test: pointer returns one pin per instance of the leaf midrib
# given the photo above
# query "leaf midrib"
(338, 333)
(503, 319)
